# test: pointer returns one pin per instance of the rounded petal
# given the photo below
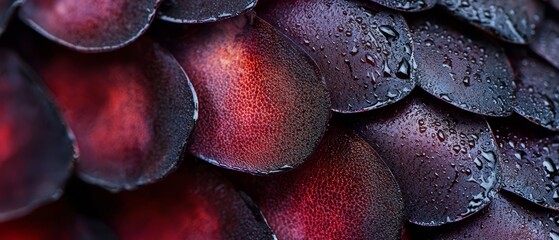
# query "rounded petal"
(468, 71)
(445, 160)
(506, 218)
(537, 97)
(36, 149)
(343, 190)
(200, 11)
(530, 157)
(132, 111)
(407, 5)
(513, 21)
(264, 106)
(365, 54)
(90, 25)
(546, 41)
(193, 203)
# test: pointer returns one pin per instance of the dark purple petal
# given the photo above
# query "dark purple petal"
(7, 8)
(506, 218)
(530, 157)
(343, 190)
(90, 25)
(554, 3)
(444, 159)
(57, 221)
(193, 203)
(513, 21)
(546, 41)
(131, 110)
(537, 97)
(36, 149)
(468, 71)
(264, 106)
(407, 5)
(200, 11)
(364, 54)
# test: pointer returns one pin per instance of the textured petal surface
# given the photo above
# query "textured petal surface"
(468, 71)
(506, 218)
(131, 110)
(444, 159)
(514, 20)
(546, 41)
(36, 150)
(193, 203)
(530, 157)
(364, 54)
(199, 11)
(343, 190)
(89, 25)
(407, 5)
(537, 97)
(263, 104)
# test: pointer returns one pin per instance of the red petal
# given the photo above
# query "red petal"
(546, 41)
(364, 54)
(193, 203)
(444, 159)
(537, 97)
(90, 25)
(36, 151)
(530, 158)
(407, 5)
(56, 221)
(468, 71)
(514, 20)
(343, 190)
(131, 110)
(200, 11)
(263, 105)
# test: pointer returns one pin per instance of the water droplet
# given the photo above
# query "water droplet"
(388, 32)
(441, 136)
(403, 69)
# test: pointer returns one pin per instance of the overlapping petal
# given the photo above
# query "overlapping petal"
(263, 103)
(445, 160)
(364, 51)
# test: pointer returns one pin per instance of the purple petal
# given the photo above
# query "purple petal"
(407, 5)
(468, 71)
(444, 159)
(513, 21)
(530, 156)
(364, 54)
(546, 41)
(537, 97)
(506, 218)
(200, 11)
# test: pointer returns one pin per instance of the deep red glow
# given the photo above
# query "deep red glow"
(131, 111)
(263, 106)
